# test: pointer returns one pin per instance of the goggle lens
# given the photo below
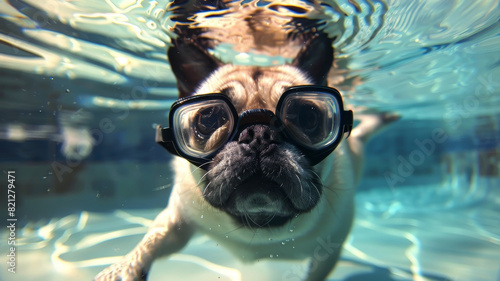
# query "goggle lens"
(203, 127)
(312, 119)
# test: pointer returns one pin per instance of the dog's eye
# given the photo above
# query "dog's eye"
(202, 127)
(309, 118)
(208, 120)
(306, 120)
(205, 123)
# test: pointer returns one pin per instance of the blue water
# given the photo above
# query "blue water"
(83, 84)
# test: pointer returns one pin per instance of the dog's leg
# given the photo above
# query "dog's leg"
(167, 235)
(371, 124)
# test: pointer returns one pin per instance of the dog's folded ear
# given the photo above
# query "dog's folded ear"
(316, 58)
(191, 65)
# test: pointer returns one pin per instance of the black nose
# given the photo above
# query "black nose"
(260, 138)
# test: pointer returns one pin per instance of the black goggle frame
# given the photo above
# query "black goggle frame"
(165, 136)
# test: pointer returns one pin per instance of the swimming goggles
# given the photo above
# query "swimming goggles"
(312, 118)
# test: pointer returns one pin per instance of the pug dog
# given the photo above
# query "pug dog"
(263, 158)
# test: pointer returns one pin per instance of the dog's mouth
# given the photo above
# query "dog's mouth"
(261, 184)
(259, 202)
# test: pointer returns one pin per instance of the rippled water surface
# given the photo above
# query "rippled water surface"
(83, 84)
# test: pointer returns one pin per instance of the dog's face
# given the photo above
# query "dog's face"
(258, 178)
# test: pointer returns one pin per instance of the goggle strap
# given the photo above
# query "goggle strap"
(164, 137)
(347, 121)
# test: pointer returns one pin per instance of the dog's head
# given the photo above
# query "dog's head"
(256, 135)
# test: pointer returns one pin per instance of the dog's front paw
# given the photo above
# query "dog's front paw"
(122, 271)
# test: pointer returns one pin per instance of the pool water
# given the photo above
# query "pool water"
(83, 84)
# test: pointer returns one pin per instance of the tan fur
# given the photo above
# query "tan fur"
(255, 87)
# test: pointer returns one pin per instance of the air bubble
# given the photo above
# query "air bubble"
(151, 24)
